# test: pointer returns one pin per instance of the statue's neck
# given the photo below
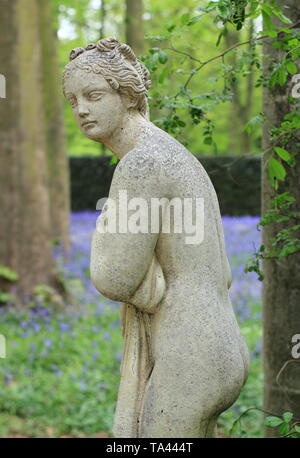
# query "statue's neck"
(128, 135)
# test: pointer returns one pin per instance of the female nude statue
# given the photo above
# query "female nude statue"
(184, 359)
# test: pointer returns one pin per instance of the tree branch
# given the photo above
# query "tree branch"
(222, 54)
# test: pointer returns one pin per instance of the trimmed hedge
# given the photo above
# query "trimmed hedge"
(237, 181)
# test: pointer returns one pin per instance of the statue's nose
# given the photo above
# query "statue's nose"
(83, 110)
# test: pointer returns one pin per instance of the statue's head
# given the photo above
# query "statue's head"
(104, 82)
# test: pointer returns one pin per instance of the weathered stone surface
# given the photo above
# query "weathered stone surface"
(184, 359)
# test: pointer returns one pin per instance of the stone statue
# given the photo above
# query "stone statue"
(184, 359)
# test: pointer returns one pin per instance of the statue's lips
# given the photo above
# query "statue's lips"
(88, 123)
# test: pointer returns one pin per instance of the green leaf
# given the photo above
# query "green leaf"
(234, 428)
(156, 37)
(284, 429)
(275, 11)
(162, 57)
(267, 22)
(267, 10)
(113, 160)
(282, 153)
(194, 20)
(171, 26)
(274, 78)
(222, 33)
(281, 75)
(207, 141)
(276, 171)
(153, 50)
(185, 18)
(270, 33)
(5, 297)
(163, 75)
(253, 123)
(284, 29)
(284, 18)
(272, 422)
(297, 428)
(293, 43)
(287, 416)
(291, 67)
(8, 274)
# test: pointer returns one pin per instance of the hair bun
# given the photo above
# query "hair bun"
(76, 52)
(107, 44)
(127, 52)
(90, 46)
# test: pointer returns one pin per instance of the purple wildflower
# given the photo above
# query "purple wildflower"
(64, 326)
(48, 343)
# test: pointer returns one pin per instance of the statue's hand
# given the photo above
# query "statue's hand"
(151, 291)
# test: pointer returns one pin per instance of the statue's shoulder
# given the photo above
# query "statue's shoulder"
(159, 158)
(144, 161)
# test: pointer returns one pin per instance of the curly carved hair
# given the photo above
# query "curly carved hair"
(117, 63)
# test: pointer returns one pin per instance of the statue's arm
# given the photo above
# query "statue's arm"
(124, 266)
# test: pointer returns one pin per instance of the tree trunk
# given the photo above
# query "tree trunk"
(134, 25)
(25, 236)
(58, 167)
(281, 287)
(102, 19)
(240, 111)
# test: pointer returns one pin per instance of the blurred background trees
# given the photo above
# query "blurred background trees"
(83, 21)
(57, 162)
(26, 217)
(281, 285)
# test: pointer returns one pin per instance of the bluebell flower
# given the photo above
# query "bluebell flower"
(36, 326)
(64, 326)
(118, 356)
(48, 343)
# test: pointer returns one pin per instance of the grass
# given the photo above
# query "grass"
(61, 372)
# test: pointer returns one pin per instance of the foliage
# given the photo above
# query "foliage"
(168, 69)
(191, 100)
(285, 426)
(8, 274)
(62, 370)
(231, 13)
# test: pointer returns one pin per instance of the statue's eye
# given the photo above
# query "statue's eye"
(95, 95)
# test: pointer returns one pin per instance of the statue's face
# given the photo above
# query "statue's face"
(97, 107)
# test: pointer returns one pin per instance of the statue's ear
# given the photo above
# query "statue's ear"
(128, 101)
